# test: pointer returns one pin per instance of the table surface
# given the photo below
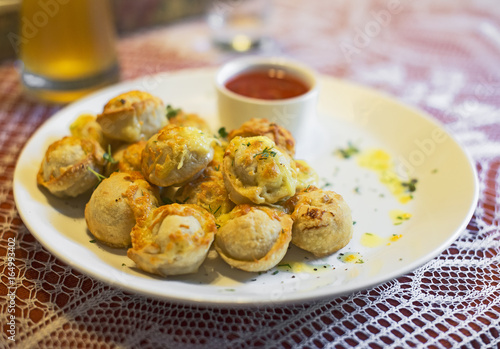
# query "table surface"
(441, 57)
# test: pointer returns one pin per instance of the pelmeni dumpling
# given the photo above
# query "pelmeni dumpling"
(322, 222)
(176, 155)
(132, 116)
(189, 120)
(70, 166)
(116, 204)
(207, 191)
(253, 238)
(128, 157)
(256, 171)
(173, 239)
(263, 127)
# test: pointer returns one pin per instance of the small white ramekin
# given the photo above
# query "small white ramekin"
(291, 113)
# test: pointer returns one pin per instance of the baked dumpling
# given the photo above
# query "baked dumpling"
(115, 205)
(256, 171)
(86, 126)
(207, 191)
(306, 175)
(253, 238)
(172, 240)
(132, 116)
(128, 157)
(71, 166)
(322, 222)
(263, 127)
(189, 120)
(176, 155)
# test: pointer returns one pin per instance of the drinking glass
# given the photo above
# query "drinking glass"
(67, 48)
(239, 25)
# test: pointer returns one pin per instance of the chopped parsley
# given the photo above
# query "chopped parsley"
(171, 112)
(222, 132)
(411, 185)
(92, 241)
(167, 201)
(349, 151)
(265, 153)
(212, 212)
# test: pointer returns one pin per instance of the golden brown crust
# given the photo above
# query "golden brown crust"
(132, 116)
(177, 247)
(190, 120)
(306, 176)
(263, 127)
(207, 191)
(322, 222)
(66, 169)
(253, 238)
(129, 157)
(255, 171)
(115, 206)
(176, 155)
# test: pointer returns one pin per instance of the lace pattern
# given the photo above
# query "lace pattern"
(441, 57)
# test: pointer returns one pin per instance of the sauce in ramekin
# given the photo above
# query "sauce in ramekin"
(269, 84)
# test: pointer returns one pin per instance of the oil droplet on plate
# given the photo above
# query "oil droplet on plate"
(351, 257)
(381, 162)
(372, 240)
(399, 216)
(300, 267)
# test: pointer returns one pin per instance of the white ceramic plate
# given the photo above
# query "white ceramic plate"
(443, 203)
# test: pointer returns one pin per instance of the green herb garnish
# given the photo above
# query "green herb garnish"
(171, 112)
(411, 185)
(349, 151)
(265, 153)
(108, 157)
(99, 176)
(167, 201)
(222, 132)
(92, 241)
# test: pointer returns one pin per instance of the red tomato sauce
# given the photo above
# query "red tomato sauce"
(267, 84)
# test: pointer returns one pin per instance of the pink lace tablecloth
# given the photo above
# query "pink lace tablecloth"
(440, 56)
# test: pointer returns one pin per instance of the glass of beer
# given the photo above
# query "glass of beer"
(67, 48)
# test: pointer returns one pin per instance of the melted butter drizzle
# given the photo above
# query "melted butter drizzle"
(381, 162)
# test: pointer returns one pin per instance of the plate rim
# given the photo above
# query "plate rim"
(291, 298)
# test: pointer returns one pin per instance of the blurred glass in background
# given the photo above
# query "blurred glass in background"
(239, 25)
(67, 48)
